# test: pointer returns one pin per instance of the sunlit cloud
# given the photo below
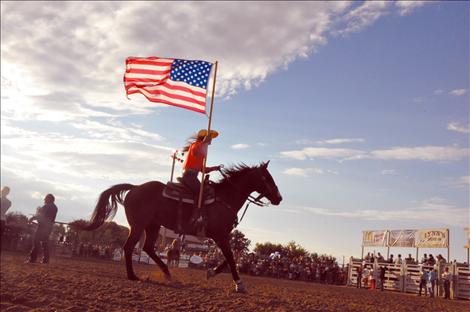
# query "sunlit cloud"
(406, 7)
(460, 182)
(240, 146)
(424, 153)
(454, 126)
(425, 211)
(458, 92)
(363, 15)
(324, 153)
(305, 172)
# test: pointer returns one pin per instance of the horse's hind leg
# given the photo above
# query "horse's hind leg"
(151, 234)
(134, 236)
(213, 272)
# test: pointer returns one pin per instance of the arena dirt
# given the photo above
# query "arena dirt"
(74, 284)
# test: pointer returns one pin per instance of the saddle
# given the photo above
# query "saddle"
(181, 193)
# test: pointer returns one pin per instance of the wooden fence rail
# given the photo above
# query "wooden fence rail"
(406, 277)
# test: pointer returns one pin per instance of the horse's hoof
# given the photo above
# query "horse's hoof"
(240, 288)
(210, 273)
(133, 278)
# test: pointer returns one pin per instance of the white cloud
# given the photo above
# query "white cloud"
(458, 92)
(424, 153)
(364, 15)
(389, 172)
(431, 211)
(406, 7)
(305, 172)
(461, 182)
(438, 92)
(341, 141)
(322, 152)
(330, 141)
(454, 126)
(240, 146)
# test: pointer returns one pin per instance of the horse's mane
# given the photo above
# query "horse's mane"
(235, 171)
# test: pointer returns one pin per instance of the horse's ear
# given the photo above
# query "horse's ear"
(265, 165)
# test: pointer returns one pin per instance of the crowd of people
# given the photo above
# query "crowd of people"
(323, 269)
(426, 260)
(433, 273)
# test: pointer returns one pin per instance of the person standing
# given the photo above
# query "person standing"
(447, 278)
(46, 217)
(423, 279)
(5, 205)
(359, 277)
(382, 277)
(432, 277)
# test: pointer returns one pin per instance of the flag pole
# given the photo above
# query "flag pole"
(201, 190)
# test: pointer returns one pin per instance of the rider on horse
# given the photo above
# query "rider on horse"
(194, 164)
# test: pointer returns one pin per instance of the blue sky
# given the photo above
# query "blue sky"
(362, 108)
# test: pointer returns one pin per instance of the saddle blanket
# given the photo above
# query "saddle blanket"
(177, 190)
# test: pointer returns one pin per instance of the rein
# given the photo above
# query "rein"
(251, 200)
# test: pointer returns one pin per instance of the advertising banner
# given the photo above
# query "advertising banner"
(374, 238)
(401, 238)
(432, 238)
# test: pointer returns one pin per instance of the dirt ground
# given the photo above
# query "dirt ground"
(99, 285)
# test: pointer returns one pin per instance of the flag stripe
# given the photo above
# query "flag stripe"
(149, 71)
(172, 85)
(156, 78)
(170, 101)
(171, 94)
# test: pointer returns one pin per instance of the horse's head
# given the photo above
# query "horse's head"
(266, 186)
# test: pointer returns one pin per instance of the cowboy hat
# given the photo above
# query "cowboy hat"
(203, 133)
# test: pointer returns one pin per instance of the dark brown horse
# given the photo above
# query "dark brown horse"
(146, 210)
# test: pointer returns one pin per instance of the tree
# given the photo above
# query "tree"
(110, 233)
(239, 242)
(265, 249)
(294, 250)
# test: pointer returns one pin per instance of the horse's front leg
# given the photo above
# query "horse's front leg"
(227, 251)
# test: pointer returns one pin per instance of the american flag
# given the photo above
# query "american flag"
(181, 83)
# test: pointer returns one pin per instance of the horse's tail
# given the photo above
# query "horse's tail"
(105, 210)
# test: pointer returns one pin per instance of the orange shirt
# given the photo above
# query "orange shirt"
(195, 160)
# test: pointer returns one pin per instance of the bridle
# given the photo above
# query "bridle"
(251, 199)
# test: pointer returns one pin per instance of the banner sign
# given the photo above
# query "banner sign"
(468, 237)
(401, 238)
(374, 238)
(432, 238)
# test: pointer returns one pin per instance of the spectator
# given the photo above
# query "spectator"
(398, 260)
(5, 204)
(423, 279)
(409, 259)
(432, 276)
(365, 276)
(359, 277)
(424, 260)
(380, 258)
(431, 260)
(372, 278)
(390, 260)
(46, 217)
(382, 277)
(447, 278)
